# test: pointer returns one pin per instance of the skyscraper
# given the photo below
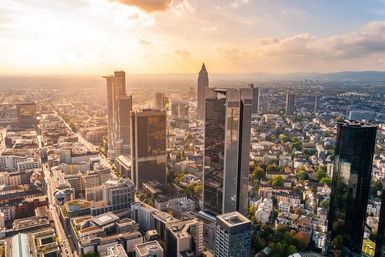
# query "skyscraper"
(226, 150)
(159, 100)
(290, 103)
(179, 109)
(124, 110)
(232, 235)
(350, 186)
(148, 152)
(203, 83)
(110, 111)
(118, 121)
(255, 108)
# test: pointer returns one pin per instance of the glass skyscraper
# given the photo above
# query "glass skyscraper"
(148, 140)
(227, 148)
(350, 187)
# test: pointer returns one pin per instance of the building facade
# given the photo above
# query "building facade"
(148, 155)
(226, 150)
(350, 186)
(232, 236)
(203, 83)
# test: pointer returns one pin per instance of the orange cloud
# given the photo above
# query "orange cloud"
(148, 5)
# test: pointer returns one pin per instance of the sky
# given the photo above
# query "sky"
(176, 36)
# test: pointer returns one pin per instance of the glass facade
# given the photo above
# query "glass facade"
(350, 187)
(125, 108)
(227, 147)
(149, 146)
(26, 113)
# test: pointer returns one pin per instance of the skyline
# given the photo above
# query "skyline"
(176, 36)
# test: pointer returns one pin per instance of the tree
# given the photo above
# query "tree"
(375, 187)
(251, 213)
(258, 173)
(283, 138)
(277, 181)
(320, 174)
(302, 176)
(271, 167)
(327, 181)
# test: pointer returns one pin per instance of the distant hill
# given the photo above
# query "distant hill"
(182, 80)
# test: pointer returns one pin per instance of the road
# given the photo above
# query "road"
(88, 144)
(64, 243)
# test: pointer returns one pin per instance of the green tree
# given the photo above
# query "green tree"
(302, 175)
(277, 181)
(283, 138)
(258, 173)
(327, 181)
(320, 174)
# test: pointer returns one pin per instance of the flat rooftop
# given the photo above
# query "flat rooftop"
(232, 219)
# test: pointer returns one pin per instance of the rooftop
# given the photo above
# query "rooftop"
(232, 219)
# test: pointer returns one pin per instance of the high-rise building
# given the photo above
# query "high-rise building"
(203, 83)
(125, 108)
(350, 186)
(159, 100)
(148, 140)
(119, 106)
(232, 236)
(226, 150)
(179, 109)
(110, 111)
(26, 113)
(290, 103)
(380, 242)
(255, 108)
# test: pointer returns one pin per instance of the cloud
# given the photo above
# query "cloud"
(182, 52)
(148, 5)
(365, 44)
(144, 42)
(209, 29)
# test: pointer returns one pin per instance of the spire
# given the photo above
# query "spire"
(203, 69)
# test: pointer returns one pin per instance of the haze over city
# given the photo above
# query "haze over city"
(192, 128)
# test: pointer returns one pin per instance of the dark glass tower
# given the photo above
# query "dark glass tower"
(350, 187)
(227, 148)
(148, 153)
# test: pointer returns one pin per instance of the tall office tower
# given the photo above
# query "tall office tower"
(179, 109)
(124, 108)
(26, 114)
(203, 83)
(116, 88)
(110, 111)
(233, 235)
(255, 108)
(159, 100)
(290, 103)
(350, 186)
(119, 90)
(380, 242)
(148, 152)
(226, 150)
(316, 104)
